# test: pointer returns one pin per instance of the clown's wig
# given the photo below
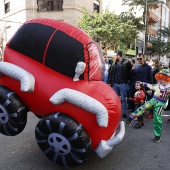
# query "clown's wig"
(163, 76)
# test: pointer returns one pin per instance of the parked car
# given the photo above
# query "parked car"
(54, 70)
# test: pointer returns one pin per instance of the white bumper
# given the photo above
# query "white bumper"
(105, 147)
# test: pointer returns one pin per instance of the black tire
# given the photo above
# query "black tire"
(63, 140)
(13, 112)
(38, 116)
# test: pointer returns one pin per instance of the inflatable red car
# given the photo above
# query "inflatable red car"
(55, 70)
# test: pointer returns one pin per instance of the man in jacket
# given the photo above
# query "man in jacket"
(119, 78)
(107, 64)
(141, 72)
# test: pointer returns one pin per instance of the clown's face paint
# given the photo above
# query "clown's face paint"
(163, 82)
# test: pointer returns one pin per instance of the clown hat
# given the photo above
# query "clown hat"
(163, 74)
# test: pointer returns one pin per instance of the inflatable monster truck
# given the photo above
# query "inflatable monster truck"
(55, 70)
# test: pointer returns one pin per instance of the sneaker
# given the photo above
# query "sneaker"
(157, 139)
(129, 121)
(139, 125)
(168, 121)
(124, 116)
(149, 115)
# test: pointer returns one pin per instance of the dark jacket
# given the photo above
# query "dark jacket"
(125, 66)
(142, 73)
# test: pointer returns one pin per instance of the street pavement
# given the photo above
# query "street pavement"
(135, 152)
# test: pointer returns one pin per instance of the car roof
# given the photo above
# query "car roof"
(56, 44)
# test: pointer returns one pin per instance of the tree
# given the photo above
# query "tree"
(160, 46)
(110, 28)
(142, 5)
(131, 15)
(164, 32)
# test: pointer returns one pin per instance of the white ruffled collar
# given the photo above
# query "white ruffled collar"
(164, 87)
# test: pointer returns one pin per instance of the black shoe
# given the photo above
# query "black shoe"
(129, 120)
(129, 107)
(168, 121)
(139, 125)
(157, 139)
(124, 116)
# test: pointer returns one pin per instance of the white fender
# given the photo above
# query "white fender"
(105, 147)
(26, 79)
(83, 101)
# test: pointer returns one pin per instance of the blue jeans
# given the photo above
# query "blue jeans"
(121, 90)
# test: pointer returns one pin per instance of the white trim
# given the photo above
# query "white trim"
(83, 101)
(26, 79)
(105, 147)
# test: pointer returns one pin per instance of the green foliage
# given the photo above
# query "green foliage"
(160, 46)
(164, 32)
(140, 3)
(110, 28)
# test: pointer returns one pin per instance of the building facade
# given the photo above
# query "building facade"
(13, 13)
(157, 16)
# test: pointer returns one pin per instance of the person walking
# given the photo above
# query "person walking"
(141, 72)
(119, 78)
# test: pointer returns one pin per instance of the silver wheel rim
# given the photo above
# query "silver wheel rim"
(3, 115)
(59, 144)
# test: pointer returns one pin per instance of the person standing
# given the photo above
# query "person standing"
(119, 78)
(155, 69)
(141, 72)
(138, 100)
(107, 64)
(130, 84)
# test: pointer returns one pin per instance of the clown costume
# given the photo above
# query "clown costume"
(157, 103)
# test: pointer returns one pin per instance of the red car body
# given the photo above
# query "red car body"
(49, 81)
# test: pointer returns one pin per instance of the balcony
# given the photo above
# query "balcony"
(152, 18)
(154, 6)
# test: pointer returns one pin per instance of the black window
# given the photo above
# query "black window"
(53, 5)
(7, 7)
(96, 6)
(63, 54)
(28, 40)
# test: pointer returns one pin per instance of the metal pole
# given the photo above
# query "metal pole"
(145, 32)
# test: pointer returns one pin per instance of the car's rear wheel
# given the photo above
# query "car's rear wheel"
(63, 140)
(13, 112)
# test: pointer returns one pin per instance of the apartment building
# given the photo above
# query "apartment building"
(13, 13)
(157, 16)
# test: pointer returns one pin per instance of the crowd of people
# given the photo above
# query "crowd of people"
(143, 87)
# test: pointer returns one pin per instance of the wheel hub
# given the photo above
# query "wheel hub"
(59, 144)
(3, 115)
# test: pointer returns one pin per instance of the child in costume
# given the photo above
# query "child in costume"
(157, 103)
(138, 99)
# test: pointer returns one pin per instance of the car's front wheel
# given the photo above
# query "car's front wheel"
(13, 112)
(63, 140)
